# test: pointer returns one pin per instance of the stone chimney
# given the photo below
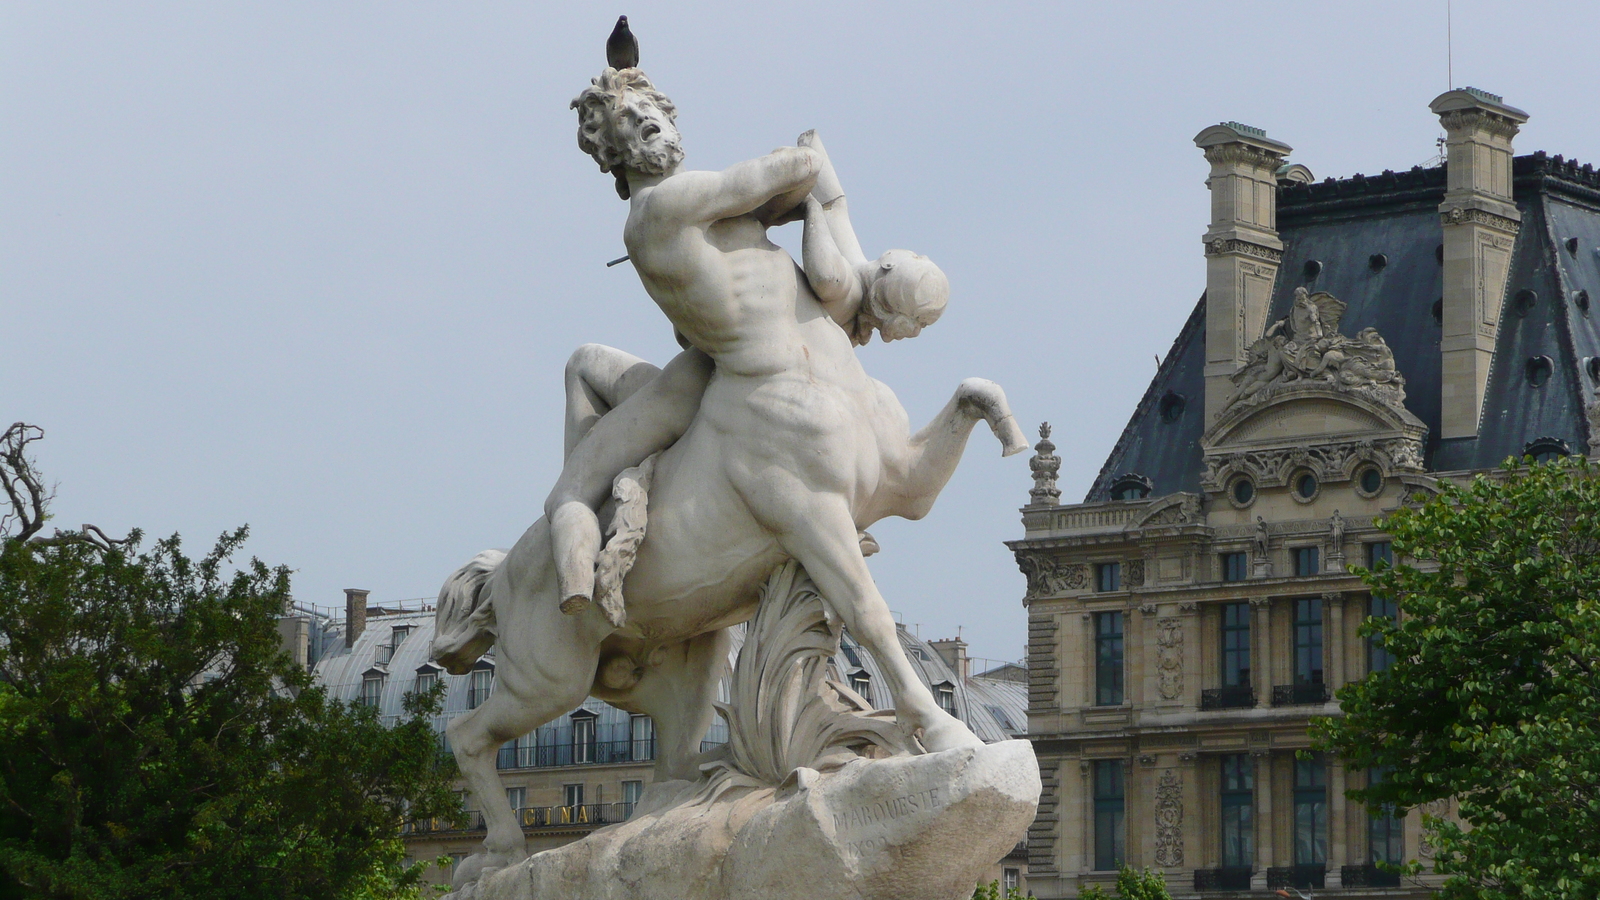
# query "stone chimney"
(1242, 248)
(1480, 223)
(355, 614)
(954, 653)
(294, 637)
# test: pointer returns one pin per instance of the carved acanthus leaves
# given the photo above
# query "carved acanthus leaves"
(1048, 576)
(1169, 819)
(1169, 658)
(1476, 119)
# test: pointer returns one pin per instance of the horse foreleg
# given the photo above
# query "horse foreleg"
(476, 738)
(822, 536)
(935, 451)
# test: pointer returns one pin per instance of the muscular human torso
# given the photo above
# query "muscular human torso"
(727, 289)
(788, 386)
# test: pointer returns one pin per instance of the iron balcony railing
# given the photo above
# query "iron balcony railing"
(593, 753)
(1306, 877)
(1227, 878)
(1236, 697)
(595, 814)
(1368, 875)
(1300, 694)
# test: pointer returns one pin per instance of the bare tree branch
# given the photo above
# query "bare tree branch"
(24, 489)
(29, 497)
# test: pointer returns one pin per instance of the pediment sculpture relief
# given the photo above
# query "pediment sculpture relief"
(1306, 346)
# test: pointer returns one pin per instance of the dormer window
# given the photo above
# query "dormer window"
(1546, 449)
(372, 687)
(1131, 486)
(861, 683)
(583, 730)
(385, 652)
(427, 677)
(945, 693)
(480, 681)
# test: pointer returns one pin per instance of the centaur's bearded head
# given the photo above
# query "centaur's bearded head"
(625, 123)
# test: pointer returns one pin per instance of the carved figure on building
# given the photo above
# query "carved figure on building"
(1169, 658)
(1592, 411)
(1045, 464)
(1169, 819)
(1047, 575)
(1306, 346)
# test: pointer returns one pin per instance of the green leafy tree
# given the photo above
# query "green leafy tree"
(1493, 697)
(156, 742)
(992, 891)
(1132, 884)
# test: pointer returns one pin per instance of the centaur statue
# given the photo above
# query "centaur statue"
(764, 441)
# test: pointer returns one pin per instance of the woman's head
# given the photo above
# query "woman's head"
(905, 293)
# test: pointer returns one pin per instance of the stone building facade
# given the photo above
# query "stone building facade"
(586, 769)
(1358, 340)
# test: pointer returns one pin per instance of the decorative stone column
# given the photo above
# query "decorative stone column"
(1261, 760)
(1260, 641)
(1480, 221)
(1188, 770)
(1338, 828)
(1333, 639)
(1242, 248)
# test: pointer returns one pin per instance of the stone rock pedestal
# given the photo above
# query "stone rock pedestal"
(923, 827)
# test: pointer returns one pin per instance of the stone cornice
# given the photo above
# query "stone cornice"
(1226, 247)
(1232, 155)
(1483, 120)
(1467, 215)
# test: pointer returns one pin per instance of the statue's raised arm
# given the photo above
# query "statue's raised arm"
(898, 294)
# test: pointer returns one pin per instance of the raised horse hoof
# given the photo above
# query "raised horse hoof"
(575, 604)
(1013, 439)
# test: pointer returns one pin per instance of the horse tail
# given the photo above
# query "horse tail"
(464, 625)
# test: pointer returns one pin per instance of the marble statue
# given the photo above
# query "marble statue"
(764, 444)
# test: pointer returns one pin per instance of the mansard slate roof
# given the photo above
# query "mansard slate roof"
(1344, 225)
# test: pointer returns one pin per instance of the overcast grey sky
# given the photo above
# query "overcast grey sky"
(316, 266)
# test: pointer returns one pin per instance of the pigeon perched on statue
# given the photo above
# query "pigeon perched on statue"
(622, 48)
